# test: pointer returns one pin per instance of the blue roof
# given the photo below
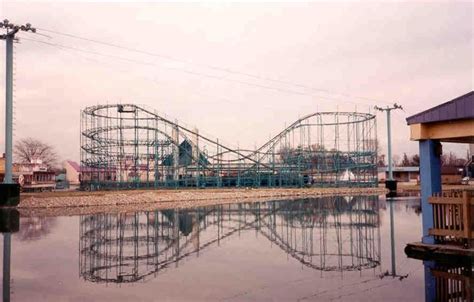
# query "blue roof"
(460, 108)
(399, 169)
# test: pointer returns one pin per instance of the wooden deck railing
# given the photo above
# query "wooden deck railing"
(453, 284)
(453, 217)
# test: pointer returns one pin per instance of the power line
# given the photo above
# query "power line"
(195, 73)
(227, 70)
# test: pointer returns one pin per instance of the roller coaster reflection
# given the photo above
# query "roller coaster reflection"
(327, 234)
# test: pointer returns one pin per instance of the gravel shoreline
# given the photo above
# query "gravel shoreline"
(80, 203)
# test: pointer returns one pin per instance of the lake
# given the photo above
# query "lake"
(320, 249)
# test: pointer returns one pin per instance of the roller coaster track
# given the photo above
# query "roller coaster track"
(103, 144)
(92, 133)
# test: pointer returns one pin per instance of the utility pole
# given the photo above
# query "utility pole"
(390, 183)
(9, 37)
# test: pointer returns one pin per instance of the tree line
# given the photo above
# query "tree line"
(448, 160)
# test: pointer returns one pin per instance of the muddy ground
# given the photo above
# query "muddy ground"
(78, 203)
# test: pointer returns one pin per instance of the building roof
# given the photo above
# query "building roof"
(460, 108)
(399, 169)
(80, 168)
(74, 165)
(445, 170)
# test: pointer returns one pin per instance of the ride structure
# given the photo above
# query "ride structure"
(328, 234)
(125, 146)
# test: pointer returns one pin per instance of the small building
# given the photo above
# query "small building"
(452, 175)
(400, 174)
(73, 171)
(32, 176)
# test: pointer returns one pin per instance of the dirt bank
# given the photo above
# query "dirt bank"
(77, 203)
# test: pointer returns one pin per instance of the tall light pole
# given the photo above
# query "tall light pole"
(9, 37)
(391, 184)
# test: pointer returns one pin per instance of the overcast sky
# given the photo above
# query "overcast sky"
(329, 54)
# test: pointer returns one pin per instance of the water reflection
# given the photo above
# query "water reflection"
(9, 223)
(326, 234)
(450, 280)
(34, 228)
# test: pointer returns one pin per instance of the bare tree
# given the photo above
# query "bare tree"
(452, 160)
(395, 160)
(415, 160)
(380, 157)
(405, 161)
(30, 149)
(381, 160)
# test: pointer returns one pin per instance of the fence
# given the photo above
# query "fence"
(453, 217)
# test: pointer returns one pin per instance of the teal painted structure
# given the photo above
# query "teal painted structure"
(124, 146)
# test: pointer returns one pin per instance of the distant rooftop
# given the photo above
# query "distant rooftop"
(80, 168)
(460, 108)
(399, 169)
(74, 165)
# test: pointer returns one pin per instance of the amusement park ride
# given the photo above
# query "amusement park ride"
(126, 146)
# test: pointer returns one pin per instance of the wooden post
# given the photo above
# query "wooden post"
(466, 208)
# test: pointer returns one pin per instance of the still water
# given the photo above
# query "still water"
(323, 249)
